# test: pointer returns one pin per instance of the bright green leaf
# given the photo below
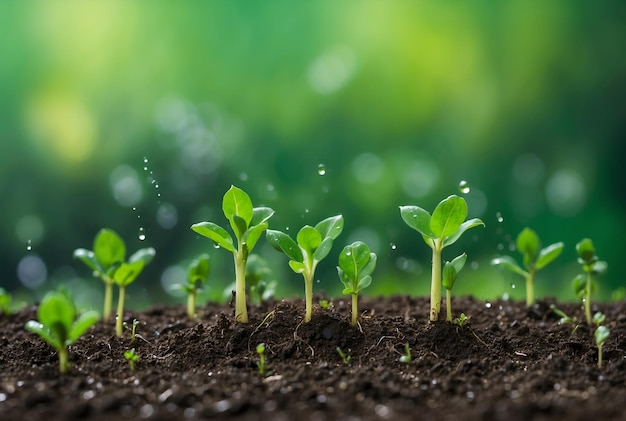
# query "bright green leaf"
(285, 244)
(309, 239)
(323, 249)
(529, 245)
(548, 254)
(88, 257)
(126, 273)
(198, 270)
(330, 227)
(602, 334)
(470, 223)
(84, 322)
(237, 202)
(238, 226)
(458, 262)
(145, 255)
(448, 216)
(599, 267)
(57, 312)
(45, 333)
(586, 251)
(253, 234)
(215, 233)
(260, 215)
(364, 282)
(448, 276)
(509, 263)
(418, 219)
(109, 248)
(297, 267)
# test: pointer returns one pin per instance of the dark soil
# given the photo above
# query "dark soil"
(508, 363)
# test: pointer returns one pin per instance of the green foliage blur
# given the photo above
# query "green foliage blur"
(138, 116)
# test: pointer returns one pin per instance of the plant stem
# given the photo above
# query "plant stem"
(588, 300)
(108, 298)
(308, 296)
(120, 312)
(241, 311)
(64, 363)
(191, 305)
(355, 309)
(599, 355)
(530, 289)
(448, 306)
(435, 283)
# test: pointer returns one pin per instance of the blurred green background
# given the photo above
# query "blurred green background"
(138, 116)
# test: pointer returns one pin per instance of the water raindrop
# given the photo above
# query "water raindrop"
(29, 245)
(474, 265)
(134, 208)
(215, 245)
(145, 160)
(487, 305)
(393, 246)
(243, 176)
(464, 187)
(286, 228)
(321, 169)
(499, 217)
(500, 247)
(513, 286)
(318, 281)
(142, 234)
(156, 186)
(348, 253)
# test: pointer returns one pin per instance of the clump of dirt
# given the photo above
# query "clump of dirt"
(507, 363)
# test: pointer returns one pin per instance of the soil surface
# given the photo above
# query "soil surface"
(507, 362)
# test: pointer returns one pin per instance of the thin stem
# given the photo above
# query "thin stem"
(120, 312)
(191, 305)
(448, 306)
(588, 300)
(599, 355)
(108, 298)
(355, 309)
(64, 363)
(241, 311)
(530, 289)
(308, 297)
(435, 283)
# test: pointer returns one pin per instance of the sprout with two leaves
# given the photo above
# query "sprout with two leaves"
(247, 223)
(450, 272)
(583, 284)
(356, 264)
(197, 274)
(313, 245)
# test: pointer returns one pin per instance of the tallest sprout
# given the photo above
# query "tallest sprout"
(443, 228)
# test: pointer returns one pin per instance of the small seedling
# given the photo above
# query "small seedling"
(450, 272)
(443, 228)
(257, 272)
(461, 320)
(324, 304)
(313, 245)
(58, 325)
(356, 265)
(124, 275)
(5, 302)
(601, 334)
(406, 357)
(345, 358)
(197, 274)
(248, 224)
(132, 357)
(583, 284)
(132, 329)
(535, 258)
(260, 350)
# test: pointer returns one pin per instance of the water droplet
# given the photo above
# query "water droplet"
(488, 305)
(348, 253)
(464, 187)
(215, 245)
(243, 176)
(499, 217)
(134, 208)
(156, 186)
(321, 169)
(318, 281)
(270, 187)
(29, 245)
(142, 234)
(306, 211)
(513, 286)
(474, 265)
(145, 168)
(145, 160)
(500, 246)
(286, 228)
(393, 246)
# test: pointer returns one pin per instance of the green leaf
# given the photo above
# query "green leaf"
(297, 267)
(237, 202)
(309, 239)
(458, 262)
(528, 244)
(370, 266)
(578, 285)
(238, 226)
(126, 273)
(470, 223)
(353, 258)
(602, 334)
(215, 233)
(145, 255)
(330, 227)
(84, 322)
(57, 313)
(88, 257)
(285, 244)
(323, 249)
(586, 251)
(448, 216)
(44, 333)
(449, 274)
(260, 215)
(418, 219)
(253, 234)
(548, 254)
(364, 282)
(509, 263)
(198, 270)
(109, 248)
(599, 267)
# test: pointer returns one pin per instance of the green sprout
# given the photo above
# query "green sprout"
(257, 272)
(344, 357)
(406, 357)
(108, 252)
(133, 329)
(564, 318)
(535, 258)
(248, 224)
(356, 265)
(443, 228)
(324, 304)
(583, 284)
(5, 302)
(313, 245)
(461, 320)
(132, 357)
(197, 274)
(261, 364)
(450, 272)
(58, 324)
(124, 275)
(601, 334)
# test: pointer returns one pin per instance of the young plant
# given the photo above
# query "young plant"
(109, 251)
(197, 274)
(535, 258)
(406, 357)
(356, 265)
(257, 272)
(313, 245)
(5, 302)
(58, 324)
(344, 357)
(132, 329)
(591, 265)
(248, 224)
(450, 272)
(261, 364)
(461, 320)
(132, 357)
(443, 228)
(124, 275)
(601, 334)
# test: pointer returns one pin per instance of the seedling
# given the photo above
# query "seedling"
(5, 302)
(601, 334)
(260, 350)
(356, 264)
(257, 272)
(406, 357)
(197, 274)
(345, 358)
(313, 245)
(124, 275)
(58, 325)
(324, 304)
(583, 284)
(248, 224)
(564, 318)
(443, 228)
(450, 272)
(598, 318)
(108, 252)
(132, 329)
(132, 357)
(461, 320)
(535, 258)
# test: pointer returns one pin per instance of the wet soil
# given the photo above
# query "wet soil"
(507, 363)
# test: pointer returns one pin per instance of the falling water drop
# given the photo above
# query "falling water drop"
(145, 160)
(499, 217)
(321, 169)
(142, 234)
(464, 187)
(29, 245)
(393, 246)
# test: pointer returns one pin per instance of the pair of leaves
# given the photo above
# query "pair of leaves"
(57, 323)
(446, 224)
(535, 258)
(588, 259)
(126, 273)
(247, 222)
(451, 270)
(313, 243)
(197, 273)
(356, 264)
(109, 250)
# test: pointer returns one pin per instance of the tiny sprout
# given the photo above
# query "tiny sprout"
(345, 358)
(356, 265)
(535, 258)
(583, 285)
(5, 302)
(132, 357)
(197, 274)
(598, 318)
(132, 329)
(324, 304)
(257, 272)
(461, 320)
(564, 318)
(260, 350)
(601, 334)
(406, 357)
(450, 272)
(58, 324)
